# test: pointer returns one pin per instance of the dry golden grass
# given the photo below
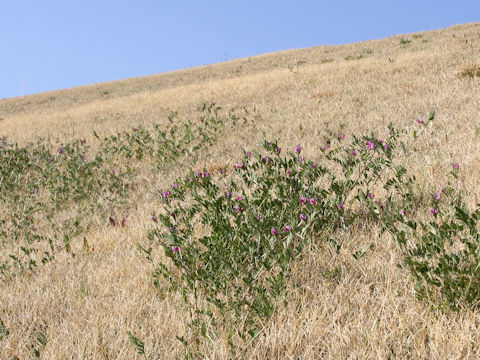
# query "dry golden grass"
(86, 305)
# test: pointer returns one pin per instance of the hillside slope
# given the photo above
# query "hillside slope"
(85, 305)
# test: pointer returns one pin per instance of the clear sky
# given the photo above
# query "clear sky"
(54, 44)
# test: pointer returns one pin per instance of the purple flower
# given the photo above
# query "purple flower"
(324, 147)
(273, 231)
(239, 165)
(444, 191)
(433, 211)
(341, 136)
(314, 165)
(300, 159)
(340, 206)
(206, 174)
(278, 149)
(248, 153)
(385, 146)
(436, 196)
(202, 119)
(303, 217)
(175, 186)
(456, 166)
(298, 149)
(191, 179)
(198, 174)
(269, 143)
(83, 141)
(371, 145)
(239, 197)
(289, 171)
(113, 172)
(238, 209)
(353, 153)
(154, 218)
(312, 201)
(175, 249)
(371, 195)
(170, 228)
(420, 121)
(288, 228)
(403, 213)
(60, 150)
(259, 217)
(135, 129)
(166, 194)
(266, 159)
(303, 200)
(380, 204)
(228, 195)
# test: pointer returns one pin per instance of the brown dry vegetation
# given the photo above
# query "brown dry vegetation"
(85, 305)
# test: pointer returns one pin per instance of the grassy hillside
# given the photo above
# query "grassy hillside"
(83, 302)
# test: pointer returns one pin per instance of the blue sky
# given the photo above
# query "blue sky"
(52, 44)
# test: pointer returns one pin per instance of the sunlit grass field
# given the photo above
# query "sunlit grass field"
(83, 302)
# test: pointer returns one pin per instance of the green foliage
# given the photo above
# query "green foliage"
(139, 345)
(50, 198)
(231, 237)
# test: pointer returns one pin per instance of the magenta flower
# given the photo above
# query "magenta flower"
(239, 165)
(303, 200)
(312, 201)
(60, 150)
(198, 174)
(83, 141)
(273, 231)
(170, 228)
(385, 146)
(248, 153)
(340, 206)
(288, 228)
(266, 159)
(289, 171)
(239, 197)
(353, 153)
(202, 119)
(238, 209)
(206, 174)
(433, 211)
(420, 121)
(259, 217)
(166, 194)
(228, 195)
(191, 179)
(135, 129)
(300, 159)
(324, 147)
(456, 166)
(341, 136)
(175, 186)
(298, 149)
(371, 195)
(371, 145)
(303, 217)
(380, 204)
(269, 143)
(436, 196)
(403, 213)
(175, 249)
(314, 165)
(113, 172)
(278, 149)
